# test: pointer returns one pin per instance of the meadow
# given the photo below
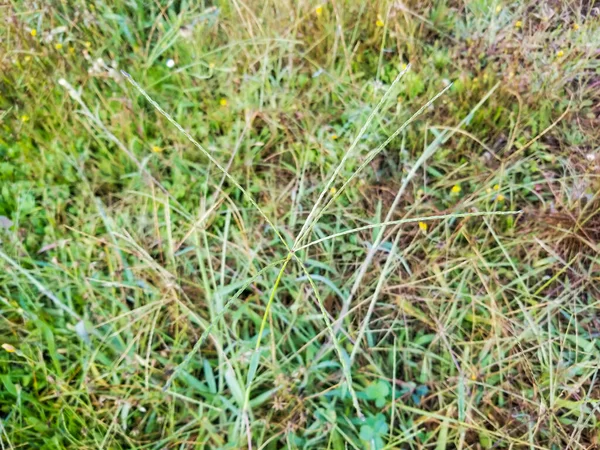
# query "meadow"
(345, 224)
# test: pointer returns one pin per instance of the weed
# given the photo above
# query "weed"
(296, 225)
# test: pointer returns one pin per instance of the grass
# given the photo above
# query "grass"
(296, 225)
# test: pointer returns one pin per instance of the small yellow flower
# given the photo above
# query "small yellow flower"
(223, 102)
(33, 32)
(334, 137)
(156, 149)
(211, 65)
(456, 189)
(27, 58)
(500, 197)
(319, 10)
(474, 377)
(9, 348)
(496, 187)
(518, 24)
(333, 190)
(498, 9)
(88, 44)
(488, 190)
(24, 118)
(404, 66)
(560, 54)
(576, 26)
(58, 46)
(71, 50)
(423, 227)
(379, 23)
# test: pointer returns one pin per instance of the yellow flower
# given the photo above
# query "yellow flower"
(488, 190)
(334, 137)
(456, 189)
(24, 118)
(518, 24)
(379, 23)
(9, 348)
(58, 46)
(423, 227)
(319, 10)
(500, 197)
(333, 190)
(404, 66)
(33, 32)
(498, 9)
(496, 187)
(211, 65)
(71, 50)
(27, 58)
(88, 44)
(474, 377)
(223, 102)
(156, 149)
(576, 26)
(560, 54)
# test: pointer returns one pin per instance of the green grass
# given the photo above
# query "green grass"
(346, 225)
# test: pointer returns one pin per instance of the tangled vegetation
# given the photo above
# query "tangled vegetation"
(282, 224)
